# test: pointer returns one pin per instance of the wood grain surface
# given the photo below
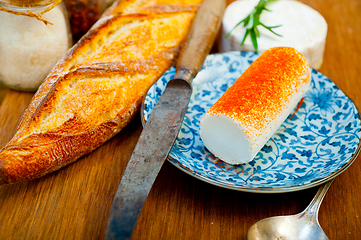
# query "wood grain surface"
(74, 202)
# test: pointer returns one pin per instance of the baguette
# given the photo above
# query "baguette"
(97, 87)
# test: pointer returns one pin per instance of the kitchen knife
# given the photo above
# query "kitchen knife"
(162, 127)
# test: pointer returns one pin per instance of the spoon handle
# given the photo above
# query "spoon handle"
(312, 209)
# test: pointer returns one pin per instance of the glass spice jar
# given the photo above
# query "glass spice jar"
(34, 35)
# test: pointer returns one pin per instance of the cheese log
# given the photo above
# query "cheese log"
(240, 123)
(302, 28)
(97, 87)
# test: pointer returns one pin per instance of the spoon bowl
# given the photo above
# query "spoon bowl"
(302, 226)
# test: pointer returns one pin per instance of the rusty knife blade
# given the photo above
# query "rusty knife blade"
(152, 149)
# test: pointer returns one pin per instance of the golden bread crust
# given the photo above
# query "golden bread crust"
(97, 87)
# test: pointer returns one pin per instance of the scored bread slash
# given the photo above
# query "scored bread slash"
(240, 123)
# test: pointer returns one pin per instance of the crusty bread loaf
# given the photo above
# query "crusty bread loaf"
(97, 87)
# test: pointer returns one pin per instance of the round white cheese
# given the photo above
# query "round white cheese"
(302, 28)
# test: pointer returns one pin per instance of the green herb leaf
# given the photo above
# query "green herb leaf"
(251, 22)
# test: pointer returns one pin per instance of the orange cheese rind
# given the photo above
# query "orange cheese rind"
(256, 104)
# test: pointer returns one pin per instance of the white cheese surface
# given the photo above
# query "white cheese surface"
(228, 140)
(303, 28)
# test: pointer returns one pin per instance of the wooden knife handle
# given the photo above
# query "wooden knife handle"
(201, 36)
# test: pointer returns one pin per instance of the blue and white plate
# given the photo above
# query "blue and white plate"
(318, 143)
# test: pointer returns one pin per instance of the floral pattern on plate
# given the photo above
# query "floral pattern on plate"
(316, 143)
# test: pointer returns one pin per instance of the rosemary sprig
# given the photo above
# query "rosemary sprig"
(251, 22)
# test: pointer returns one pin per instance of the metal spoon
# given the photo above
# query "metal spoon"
(302, 226)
